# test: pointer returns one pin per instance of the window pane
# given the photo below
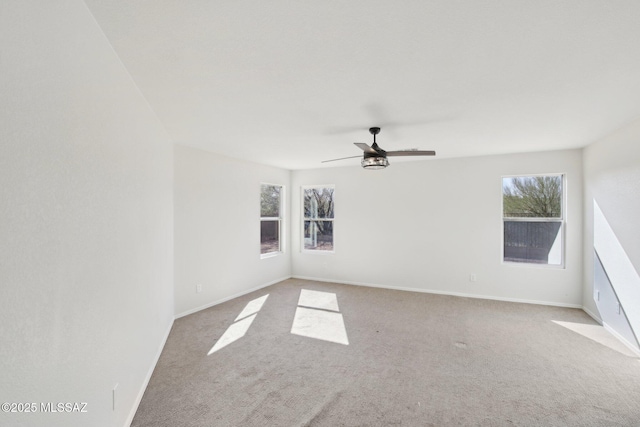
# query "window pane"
(318, 235)
(532, 196)
(269, 236)
(533, 242)
(270, 201)
(318, 203)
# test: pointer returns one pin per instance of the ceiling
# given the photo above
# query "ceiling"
(291, 83)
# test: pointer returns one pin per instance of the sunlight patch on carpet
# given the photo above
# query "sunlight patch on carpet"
(319, 324)
(317, 317)
(238, 329)
(252, 307)
(233, 333)
(598, 334)
(316, 299)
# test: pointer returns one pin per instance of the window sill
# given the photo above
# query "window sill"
(270, 255)
(307, 251)
(534, 265)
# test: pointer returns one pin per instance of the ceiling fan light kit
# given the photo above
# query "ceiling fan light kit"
(375, 163)
(375, 158)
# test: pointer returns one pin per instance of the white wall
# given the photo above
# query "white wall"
(428, 225)
(86, 220)
(217, 228)
(612, 181)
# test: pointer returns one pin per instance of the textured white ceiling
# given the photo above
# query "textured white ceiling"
(291, 83)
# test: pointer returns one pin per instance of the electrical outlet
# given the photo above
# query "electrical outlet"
(199, 288)
(473, 278)
(596, 295)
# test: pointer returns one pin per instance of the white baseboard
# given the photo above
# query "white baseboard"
(592, 315)
(439, 292)
(134, 409)
(230, 297)
(622, 339)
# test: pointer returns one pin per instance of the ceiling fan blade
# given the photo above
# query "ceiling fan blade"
(411, 153)
(343, 158)
(365, 148)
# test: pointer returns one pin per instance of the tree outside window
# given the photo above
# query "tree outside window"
(270, 218)
(318, 207)
(533, 219)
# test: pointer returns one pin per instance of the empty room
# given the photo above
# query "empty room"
(419, 213)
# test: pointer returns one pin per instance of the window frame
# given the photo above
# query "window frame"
(304, 218)
(280, 219)
(562, 219)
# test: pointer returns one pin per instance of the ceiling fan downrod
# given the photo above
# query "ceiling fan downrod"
(374, 131)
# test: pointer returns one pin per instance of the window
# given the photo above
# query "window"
(271, 218)
(533, 217)
(318, 206)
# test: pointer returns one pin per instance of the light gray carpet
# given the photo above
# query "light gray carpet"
(413, 359)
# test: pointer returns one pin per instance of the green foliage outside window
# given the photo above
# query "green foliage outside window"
(532, 197)
(270, 201)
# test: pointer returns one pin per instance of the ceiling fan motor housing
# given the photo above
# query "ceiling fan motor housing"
(380, 152)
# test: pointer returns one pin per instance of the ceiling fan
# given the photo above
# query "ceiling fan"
(376, 158)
